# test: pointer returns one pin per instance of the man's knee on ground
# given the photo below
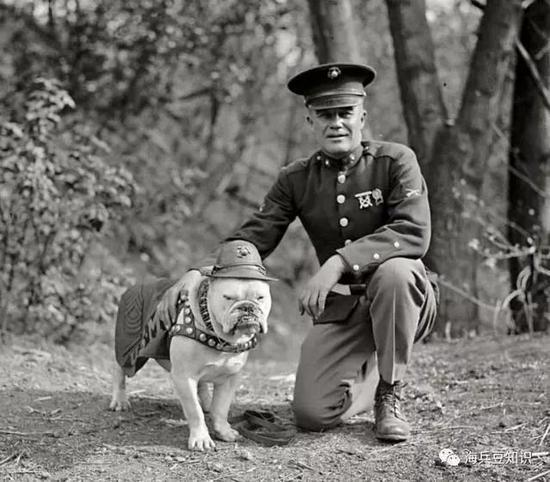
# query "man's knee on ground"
(312, 415)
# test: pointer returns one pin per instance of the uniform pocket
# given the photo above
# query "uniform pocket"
(338, 309)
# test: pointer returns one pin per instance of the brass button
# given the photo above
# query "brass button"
(340, 199)
(347, 241)
(327, 163)
(341, 178)
(396, 244)
(376, 256)
(355, 267)
(344, 222)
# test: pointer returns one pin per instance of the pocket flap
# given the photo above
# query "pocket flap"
(338, 308)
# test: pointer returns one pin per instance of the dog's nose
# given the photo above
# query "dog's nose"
(248, 307)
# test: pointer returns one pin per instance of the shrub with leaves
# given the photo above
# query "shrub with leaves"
(56, 197)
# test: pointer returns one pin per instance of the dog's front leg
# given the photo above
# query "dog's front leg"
(186, 388)
(219, 410)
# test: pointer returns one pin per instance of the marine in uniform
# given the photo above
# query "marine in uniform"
(364, 206)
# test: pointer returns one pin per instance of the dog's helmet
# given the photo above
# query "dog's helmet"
(239, 259)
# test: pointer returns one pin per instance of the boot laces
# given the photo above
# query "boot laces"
(388, 396)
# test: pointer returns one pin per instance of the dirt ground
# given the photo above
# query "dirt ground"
(486, 399)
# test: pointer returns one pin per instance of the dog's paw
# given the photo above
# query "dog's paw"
(199, 439)
(226, 433)
(119, 404)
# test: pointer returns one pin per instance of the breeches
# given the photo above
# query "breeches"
(398, 309)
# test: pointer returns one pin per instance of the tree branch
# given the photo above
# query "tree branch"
(543, 51)
(533, 71)
(477, 4)
(204, 91)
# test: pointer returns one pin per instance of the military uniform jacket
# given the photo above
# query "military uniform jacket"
(370, 209)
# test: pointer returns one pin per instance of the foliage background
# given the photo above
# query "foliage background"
(182, 116)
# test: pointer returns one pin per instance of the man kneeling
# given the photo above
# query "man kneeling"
(364, 205)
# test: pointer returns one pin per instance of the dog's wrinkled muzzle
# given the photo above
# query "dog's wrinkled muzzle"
(247, 316)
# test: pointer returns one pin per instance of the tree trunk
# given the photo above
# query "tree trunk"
(460, 149)
(529, 202)
(462, 152)
(332, 23)
(417, 75)
(334, 34)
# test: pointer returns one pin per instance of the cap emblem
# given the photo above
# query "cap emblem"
(243, 251)
(333, 73)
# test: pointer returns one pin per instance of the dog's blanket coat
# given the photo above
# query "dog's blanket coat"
(135, 310)
(141, 334)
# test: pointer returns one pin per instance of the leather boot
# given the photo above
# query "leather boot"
(391, 425)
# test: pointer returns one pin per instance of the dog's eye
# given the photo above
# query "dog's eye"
(229, 298)
(260, 298)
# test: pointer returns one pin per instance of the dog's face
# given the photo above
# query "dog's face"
(239, 307)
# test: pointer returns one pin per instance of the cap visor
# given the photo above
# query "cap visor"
(335, 102)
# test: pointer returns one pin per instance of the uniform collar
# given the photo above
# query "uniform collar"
(344, 163)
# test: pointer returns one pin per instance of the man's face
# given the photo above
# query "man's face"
(337, 130)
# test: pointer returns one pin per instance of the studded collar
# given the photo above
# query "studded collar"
(186, 325)
(203, 305)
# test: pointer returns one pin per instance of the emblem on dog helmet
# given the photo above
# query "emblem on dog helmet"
(333, 73)
(243, 251)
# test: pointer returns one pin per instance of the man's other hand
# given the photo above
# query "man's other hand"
(166, 309)
(313, 296)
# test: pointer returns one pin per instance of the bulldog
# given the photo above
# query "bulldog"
(219, 315)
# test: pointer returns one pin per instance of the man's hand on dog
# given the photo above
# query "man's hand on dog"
(166, 308)
(313, 297)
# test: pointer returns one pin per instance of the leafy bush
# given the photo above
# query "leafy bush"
(56, 197)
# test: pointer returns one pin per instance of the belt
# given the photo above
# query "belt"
(352, 289)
